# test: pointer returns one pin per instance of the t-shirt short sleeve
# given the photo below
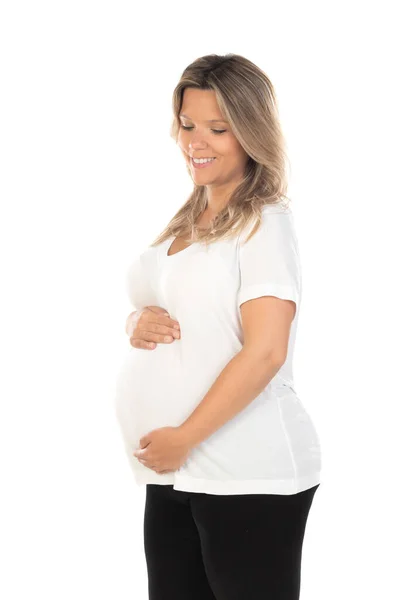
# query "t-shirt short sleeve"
(269, 262)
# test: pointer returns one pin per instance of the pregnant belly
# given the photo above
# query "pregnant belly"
(149, 392)
(161, 387)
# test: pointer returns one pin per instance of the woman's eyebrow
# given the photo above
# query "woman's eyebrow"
(207, 121)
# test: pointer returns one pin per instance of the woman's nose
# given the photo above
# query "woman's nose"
(197, 143)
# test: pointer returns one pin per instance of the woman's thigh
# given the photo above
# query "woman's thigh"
(252, 544)
(172, 547)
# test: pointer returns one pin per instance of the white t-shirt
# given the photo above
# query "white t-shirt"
(271, 446)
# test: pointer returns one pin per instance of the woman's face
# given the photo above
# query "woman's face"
(204, 134)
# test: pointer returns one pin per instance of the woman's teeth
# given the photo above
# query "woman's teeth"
(202, 163)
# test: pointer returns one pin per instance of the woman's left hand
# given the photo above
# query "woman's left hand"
(163, 450)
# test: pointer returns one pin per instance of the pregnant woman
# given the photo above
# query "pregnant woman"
(211, 422)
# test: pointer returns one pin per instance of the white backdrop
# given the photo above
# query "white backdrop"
(90, 176)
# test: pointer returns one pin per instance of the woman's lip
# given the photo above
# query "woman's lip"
(203, 165)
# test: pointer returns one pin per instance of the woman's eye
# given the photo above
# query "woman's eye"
(216, 131)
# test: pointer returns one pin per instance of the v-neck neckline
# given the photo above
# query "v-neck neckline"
(168, 243)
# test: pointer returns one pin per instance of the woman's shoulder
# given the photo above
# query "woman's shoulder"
(276, 208)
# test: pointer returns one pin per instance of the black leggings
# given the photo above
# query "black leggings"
(224, 547)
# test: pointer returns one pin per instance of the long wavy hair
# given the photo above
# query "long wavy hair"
(247, 100)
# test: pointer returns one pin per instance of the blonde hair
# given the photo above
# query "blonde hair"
(247, 100)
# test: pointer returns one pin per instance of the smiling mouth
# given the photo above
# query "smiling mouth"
(202, 165)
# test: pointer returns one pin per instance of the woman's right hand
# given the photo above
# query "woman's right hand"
(149, 326)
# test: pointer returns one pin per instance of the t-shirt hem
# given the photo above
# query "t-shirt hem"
(285, 292)
(231, 486)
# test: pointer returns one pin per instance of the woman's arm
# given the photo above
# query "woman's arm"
(266, 326)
